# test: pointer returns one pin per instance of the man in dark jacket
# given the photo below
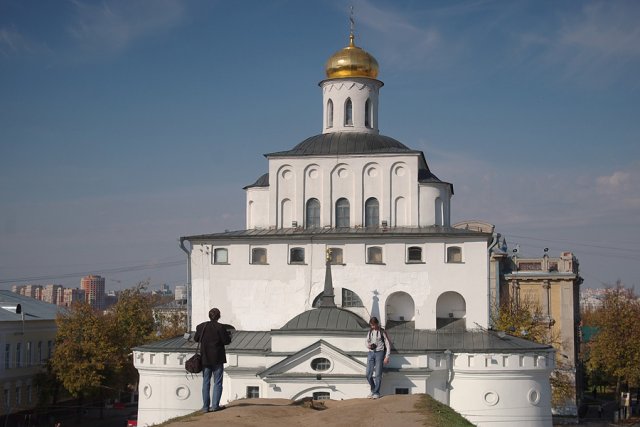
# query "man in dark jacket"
(212, 336)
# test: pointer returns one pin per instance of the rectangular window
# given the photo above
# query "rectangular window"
(29, 394)
(403, 390)
(7, 356)
(414, 254)
(253, 392)
(49, 349)
(454, 254)
(7, 399)
(321, 395)
(336, 256)
(18, 355)
(374, 255)
(258, 256)
(28, 361)
(18, 396)
(221, 256)
(39, 352)
(296, 256)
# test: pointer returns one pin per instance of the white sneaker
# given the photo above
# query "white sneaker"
(375, 396)
(370, 396)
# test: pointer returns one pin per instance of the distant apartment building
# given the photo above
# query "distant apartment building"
(72, 295)
(94, 288)
(53, 294)
(181, 292)
(27, 336)
(31, 291)
(163, 291)
(591, 299)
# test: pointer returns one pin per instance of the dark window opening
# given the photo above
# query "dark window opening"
(342, 213)
(313, 213)
(296, 256)
(414, 254)
(371, 212)
(258, 256)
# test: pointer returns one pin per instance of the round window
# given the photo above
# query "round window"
(320, 364)
(534, 396)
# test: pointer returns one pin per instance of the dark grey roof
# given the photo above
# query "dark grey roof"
(345, 143)
(330, 319)
(32, 308)
(342, 232)
(351, 143)
(263, 181)
(468, 341)
(241, 341)
(404, 340)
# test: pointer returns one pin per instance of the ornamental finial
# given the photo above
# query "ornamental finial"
(352, 24)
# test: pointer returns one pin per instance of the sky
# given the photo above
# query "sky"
(125, 124)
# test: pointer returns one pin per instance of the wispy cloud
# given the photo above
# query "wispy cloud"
(596, 44)
(400, 42)
(530, 198)
(113, 25)
(13, 41)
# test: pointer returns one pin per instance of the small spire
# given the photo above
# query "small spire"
(328, 300)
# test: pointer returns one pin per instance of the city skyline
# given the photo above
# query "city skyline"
(117, 115)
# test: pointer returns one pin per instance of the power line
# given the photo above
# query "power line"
(573, 243)
(101, 272)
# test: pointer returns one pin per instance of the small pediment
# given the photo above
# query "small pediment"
(320, 358)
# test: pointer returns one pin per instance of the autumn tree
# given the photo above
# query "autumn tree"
(84, 355)
(93, 350)
(523, 318)
(131, 324)
(615, 348)
(171, 324)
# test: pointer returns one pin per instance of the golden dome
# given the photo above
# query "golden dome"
(351, 61)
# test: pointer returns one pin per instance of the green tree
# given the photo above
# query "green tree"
(131, 324)
(84, 355)
(47, 385)
(522, 319)
(615, 349)
(171, 324)
(92, 356)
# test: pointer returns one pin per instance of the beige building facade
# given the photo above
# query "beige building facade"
(551, 285)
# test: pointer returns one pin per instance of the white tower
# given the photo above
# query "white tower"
(350, 92)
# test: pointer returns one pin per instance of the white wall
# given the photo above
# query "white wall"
(264, 297)
(392, 179)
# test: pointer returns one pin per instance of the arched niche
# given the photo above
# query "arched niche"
(450, 308)
(400, 307)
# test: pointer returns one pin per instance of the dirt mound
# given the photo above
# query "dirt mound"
(393, 410)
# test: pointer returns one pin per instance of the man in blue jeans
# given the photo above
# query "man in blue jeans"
(212, 336)
(379, 351)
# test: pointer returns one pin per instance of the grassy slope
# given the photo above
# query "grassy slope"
(438, 414)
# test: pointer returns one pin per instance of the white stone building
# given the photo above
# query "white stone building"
(346, 225)
(27, 336)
